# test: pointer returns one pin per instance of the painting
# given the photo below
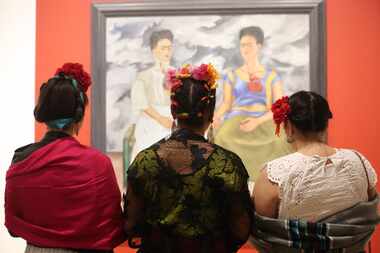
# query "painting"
(261, 51)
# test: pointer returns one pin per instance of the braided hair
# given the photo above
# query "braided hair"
(191, 100)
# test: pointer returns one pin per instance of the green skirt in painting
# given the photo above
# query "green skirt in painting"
(255, 148)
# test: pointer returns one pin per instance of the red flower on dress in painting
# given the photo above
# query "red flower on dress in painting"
(280, 110)
(76, 71)
(254, 84)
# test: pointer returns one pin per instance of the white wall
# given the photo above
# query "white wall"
(17, 81)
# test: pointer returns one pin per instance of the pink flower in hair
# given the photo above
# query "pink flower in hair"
(172, 82)
(201, 73)
(204, 72)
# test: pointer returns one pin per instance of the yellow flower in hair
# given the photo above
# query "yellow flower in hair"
(213, 74)
(184, 72)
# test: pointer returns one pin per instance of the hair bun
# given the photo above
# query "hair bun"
(310, 111)
(76, 71)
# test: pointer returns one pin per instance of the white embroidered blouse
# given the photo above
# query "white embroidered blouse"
(315, 187)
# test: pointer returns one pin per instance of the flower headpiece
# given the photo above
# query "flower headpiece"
(204, 72)
(78, 76)
(281, 109)
(75, 71)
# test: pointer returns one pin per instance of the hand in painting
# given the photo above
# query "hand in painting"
(216, 122)
(249, 124)
(166, 122)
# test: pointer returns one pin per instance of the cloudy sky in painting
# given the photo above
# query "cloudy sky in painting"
(198, 39)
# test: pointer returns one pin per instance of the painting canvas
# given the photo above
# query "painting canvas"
(139, 49)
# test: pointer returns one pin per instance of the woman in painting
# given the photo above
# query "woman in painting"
(150, 97)
(244, 116)
(184, 193)
(62, 196)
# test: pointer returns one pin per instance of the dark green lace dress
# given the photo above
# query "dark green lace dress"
(187, 195)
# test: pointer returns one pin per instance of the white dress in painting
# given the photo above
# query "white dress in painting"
(149, 91)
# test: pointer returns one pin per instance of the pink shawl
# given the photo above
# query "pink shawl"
(64, 195)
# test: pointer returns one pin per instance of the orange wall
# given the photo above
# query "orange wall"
(63, 35)
(353, 40)
(353, 49)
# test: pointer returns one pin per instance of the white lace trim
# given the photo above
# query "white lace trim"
(310, 187)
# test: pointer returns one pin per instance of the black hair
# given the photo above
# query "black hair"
(195, 99)
(59, 99)
(159, 35)
(310, 112)
(253, 31)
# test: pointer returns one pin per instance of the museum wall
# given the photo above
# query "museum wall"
(353, 51)
(64, 34)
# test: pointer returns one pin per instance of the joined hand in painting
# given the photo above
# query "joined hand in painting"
(249, 124)
(216, 122)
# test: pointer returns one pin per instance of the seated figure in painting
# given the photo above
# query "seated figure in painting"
(243, 120)
(151, 98)
(320, 198)
(185, 194)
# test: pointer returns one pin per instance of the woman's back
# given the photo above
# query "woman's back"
(189, 186)
(62, 194)
(315, 187)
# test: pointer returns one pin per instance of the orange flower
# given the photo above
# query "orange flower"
(213, 76)
(184, 72)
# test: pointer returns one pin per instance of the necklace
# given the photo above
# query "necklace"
(254, 82)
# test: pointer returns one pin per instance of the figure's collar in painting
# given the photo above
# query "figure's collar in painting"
(157, 66)
(244, 75)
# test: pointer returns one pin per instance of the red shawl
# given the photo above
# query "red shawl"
(64, 195)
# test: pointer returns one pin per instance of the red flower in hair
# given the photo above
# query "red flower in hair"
(76, 71)
(281, 110)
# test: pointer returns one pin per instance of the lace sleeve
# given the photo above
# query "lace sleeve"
(229, 168)
(141, 185)
(142, 172)
(277, 171)
(133, 212)
(238, 201)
